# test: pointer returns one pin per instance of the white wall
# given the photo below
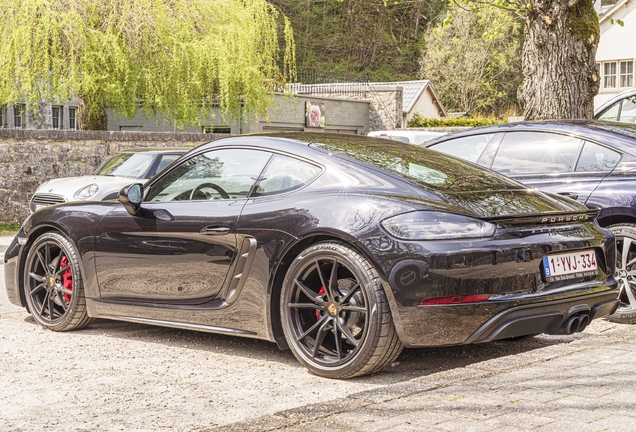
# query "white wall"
(425, 106)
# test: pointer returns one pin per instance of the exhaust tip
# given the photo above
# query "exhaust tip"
(571, 325)
(583, 322)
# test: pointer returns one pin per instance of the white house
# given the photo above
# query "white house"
(616, 50)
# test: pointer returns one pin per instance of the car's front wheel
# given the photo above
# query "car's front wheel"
(335, 314)
(53, 284)
(625, 273)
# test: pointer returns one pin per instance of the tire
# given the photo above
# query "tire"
(53, 285)
(625, 273)
(342, 329)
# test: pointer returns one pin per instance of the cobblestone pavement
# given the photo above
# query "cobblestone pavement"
(587, 383)
(123, 376)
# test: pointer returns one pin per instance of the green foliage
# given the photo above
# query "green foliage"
(9, 228)
(474, 59)
(177, 58)
(364, 39)
(418, 121)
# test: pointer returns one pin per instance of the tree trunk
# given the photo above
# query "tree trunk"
(558, 60)
(91, 117)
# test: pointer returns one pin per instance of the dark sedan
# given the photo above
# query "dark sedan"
(343, 248)
(590, 161)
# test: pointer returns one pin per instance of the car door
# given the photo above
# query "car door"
(553, 162)
(181, 245)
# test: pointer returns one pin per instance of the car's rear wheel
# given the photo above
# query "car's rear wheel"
(625, 273)
(335, 314)
(53, 284)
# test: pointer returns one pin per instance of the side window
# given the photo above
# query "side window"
(284, 174)
(595, 157)
(522, 153)
(468, 148)
(217, 174)
(628, 111)
(611, 113)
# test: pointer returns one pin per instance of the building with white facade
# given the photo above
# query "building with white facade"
(616, 50)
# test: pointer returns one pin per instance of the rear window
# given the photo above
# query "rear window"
(422, 166)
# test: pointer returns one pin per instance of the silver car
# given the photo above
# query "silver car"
(120, 170)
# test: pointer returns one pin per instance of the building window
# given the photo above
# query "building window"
(18, 116)
(216, 129)
(609, 75)
(71, 119)
(617, 74)
(627, 73)
(56, 117)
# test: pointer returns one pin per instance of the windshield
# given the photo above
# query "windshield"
(133, 165)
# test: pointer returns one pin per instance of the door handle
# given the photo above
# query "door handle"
(569, 194)
(214, 230)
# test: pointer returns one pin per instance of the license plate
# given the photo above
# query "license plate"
(39, 206)
(570, 265)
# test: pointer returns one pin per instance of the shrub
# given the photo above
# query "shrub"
(418, 121)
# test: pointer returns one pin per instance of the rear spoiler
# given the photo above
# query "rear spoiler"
(539, 219)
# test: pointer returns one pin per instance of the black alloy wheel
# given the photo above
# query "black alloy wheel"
(335, 314)
(53, 284)
(625, 273)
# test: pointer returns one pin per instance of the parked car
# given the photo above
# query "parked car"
(590, 161)
(406, 136)
(621, 107)
(342, 248)
(109, 178)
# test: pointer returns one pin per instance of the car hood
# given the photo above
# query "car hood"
(68, 186)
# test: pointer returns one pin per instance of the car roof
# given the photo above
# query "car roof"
(621, 136)
(156, 150)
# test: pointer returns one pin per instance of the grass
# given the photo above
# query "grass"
(9, 228)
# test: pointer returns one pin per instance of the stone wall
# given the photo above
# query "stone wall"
(30, 157)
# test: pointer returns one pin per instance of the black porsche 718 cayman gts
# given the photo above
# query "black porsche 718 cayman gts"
(342, 248)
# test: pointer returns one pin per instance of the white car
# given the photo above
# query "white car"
(120, 170)
(406, 136)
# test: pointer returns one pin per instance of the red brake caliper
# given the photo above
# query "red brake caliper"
(67, 278)
(321, 292)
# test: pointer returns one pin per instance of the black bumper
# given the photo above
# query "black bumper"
(548, 318)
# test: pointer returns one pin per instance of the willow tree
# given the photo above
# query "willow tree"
(558, 58)
(174, 59)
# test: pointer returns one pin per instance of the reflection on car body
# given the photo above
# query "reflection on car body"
(342, 248)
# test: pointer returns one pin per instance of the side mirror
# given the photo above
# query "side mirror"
(130, 197)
